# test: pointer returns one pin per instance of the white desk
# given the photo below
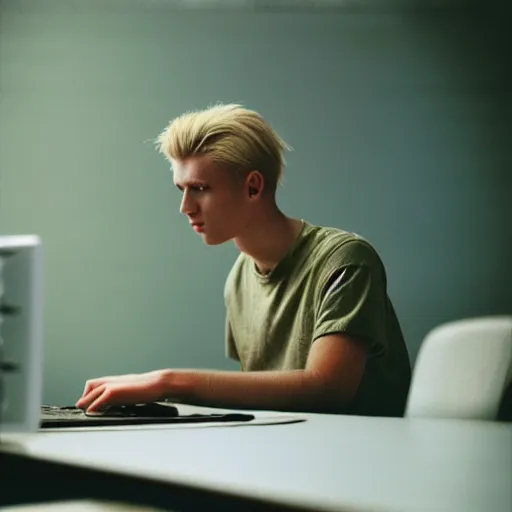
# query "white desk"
(328, 462)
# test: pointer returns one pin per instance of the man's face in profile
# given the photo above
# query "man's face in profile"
(213, 198)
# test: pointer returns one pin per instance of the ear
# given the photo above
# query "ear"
(254, 184)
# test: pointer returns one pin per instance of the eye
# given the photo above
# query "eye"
(193, 188)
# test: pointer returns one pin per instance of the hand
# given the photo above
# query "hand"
(123, 389)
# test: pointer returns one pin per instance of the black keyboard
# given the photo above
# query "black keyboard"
(53, 416)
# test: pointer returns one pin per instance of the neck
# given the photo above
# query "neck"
(268, 238)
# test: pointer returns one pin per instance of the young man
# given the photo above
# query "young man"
(308, 315)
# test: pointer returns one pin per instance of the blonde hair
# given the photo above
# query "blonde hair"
(232, 135)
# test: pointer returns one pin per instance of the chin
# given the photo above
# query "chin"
(212, 240)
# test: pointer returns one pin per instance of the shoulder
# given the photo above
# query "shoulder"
(341, 247)
(333, 249)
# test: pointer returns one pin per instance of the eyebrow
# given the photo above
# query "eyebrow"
(191, 184)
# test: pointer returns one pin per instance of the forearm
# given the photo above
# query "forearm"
(296, 390)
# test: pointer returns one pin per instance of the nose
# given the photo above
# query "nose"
(188, 206)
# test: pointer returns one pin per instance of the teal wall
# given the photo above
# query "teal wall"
(399, 123)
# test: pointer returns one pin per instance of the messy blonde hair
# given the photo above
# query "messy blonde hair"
(232, 135)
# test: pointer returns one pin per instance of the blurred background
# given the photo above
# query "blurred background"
(399, 113)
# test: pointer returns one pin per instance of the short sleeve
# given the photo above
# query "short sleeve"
(230, 346)
(353, 300)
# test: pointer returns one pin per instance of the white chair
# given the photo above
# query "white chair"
(462, 370)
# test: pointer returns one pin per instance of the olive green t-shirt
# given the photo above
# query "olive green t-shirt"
(331, 281)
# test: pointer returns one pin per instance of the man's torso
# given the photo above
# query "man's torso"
(273, 320)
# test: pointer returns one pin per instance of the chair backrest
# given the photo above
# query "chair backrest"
(462, 369)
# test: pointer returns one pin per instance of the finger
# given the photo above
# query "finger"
(92, 384)
(111, 395)
(85, 401)
(101, 401)
(119, 393)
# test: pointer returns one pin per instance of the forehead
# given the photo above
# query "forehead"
(197, 169)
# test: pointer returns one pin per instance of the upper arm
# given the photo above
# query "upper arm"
(350, 319)
(338, 362)
(352, 297)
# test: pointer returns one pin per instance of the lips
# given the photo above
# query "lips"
(198, 226)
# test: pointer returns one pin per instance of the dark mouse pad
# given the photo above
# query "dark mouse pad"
(53, 416)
